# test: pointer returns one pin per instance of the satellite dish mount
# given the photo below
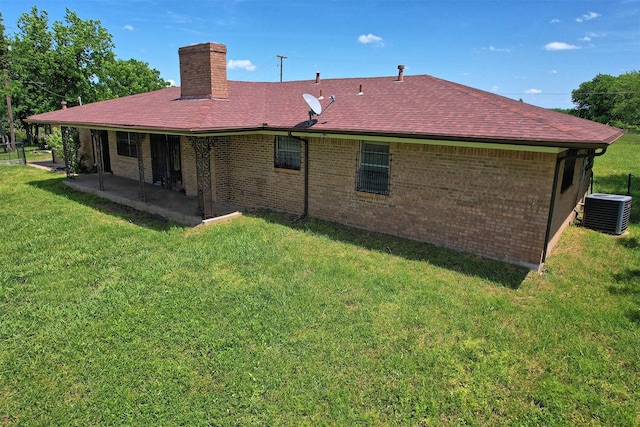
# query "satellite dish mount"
(315, 109)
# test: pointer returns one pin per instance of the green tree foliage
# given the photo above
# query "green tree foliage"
(129, 77)
(609, 99)
(69, 60)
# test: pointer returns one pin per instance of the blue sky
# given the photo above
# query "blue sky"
(535, 50)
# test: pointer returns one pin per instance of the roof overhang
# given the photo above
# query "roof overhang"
(310, 132)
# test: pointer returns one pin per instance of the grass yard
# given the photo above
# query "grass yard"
(112, 317)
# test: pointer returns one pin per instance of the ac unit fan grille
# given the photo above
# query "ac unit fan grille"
(607, 212)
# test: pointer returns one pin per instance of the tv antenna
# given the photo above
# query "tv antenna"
(314, 105)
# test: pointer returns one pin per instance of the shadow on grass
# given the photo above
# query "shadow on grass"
(628, 285)
(498, 272)
(617, 184)
(143, 219)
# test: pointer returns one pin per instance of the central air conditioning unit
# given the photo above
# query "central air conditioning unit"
(607, 212)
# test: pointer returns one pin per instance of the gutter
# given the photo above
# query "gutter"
(335, 133)
(556, 173)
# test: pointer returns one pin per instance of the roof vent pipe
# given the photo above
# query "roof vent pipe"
(400, 73)
(63, 104)
(321, 97)
(317, 77)
(360, 92)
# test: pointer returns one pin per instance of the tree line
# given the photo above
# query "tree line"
(613, 100)
(72, 60)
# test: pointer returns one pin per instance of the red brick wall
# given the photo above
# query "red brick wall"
(203, 71)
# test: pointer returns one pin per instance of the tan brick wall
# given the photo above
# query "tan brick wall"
(86, 150)
(127, 167)
(565, 204)
(188, 161)
(243, 173)
(489, 202)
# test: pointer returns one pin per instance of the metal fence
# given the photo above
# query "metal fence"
(11, 156)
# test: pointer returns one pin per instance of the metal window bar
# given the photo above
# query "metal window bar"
(373, 171)
(287, 153)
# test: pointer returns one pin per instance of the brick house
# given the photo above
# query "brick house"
(413, 156)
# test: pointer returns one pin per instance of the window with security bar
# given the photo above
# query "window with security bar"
(126, 144)
(287, 153)
(569, 170)
(373, 168)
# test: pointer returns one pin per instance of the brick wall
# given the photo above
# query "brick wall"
(489, 202)
(203, 71)
(86, 150)
(564, 213)
(188, 162)
(243, 173)
(127, 167)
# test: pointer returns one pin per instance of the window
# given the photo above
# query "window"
(287, 153)
(373, 168)
(569, 170)
(126, 144)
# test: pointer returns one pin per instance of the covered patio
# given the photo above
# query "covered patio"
(173, 205)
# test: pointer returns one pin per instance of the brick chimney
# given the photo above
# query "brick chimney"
(203, 71)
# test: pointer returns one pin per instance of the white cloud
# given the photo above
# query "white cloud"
(496, 49)
(585, 39)
(370, 38)
(532, 91)
(494, 88)
(240, 64)
(554, 21)
(553, 71)
(588, 17)
(559, 46)
(172, 83)
(128, 27)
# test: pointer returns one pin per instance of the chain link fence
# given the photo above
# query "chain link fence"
(11, 156)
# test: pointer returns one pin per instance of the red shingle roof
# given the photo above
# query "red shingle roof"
(419, 107)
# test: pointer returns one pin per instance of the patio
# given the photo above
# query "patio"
(173, 205)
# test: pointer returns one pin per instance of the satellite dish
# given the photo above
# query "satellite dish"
(313, 103)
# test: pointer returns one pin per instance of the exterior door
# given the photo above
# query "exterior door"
(165, 161)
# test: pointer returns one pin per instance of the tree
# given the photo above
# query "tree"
(609, 99)
(129, 77)
(4, 51)
(70, 60)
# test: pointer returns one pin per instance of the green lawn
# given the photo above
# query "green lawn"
(111, 317)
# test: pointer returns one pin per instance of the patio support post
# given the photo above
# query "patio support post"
(202, 146)
(66, 150)
(138, 140)
(97, 141)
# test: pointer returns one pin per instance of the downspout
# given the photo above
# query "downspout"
(559, 160)
(306, 179)
(305, 212)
